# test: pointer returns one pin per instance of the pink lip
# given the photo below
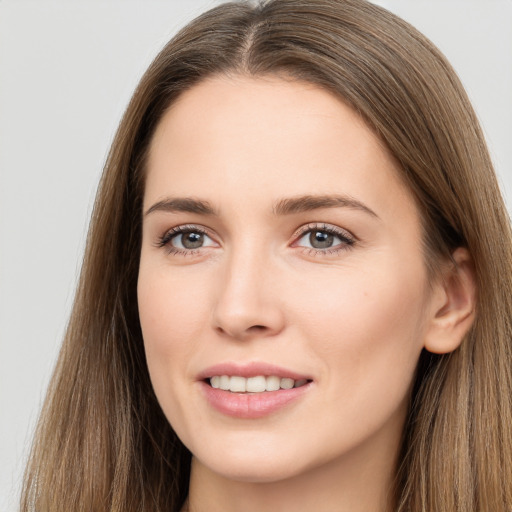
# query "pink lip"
(250, 405)
(252, 369)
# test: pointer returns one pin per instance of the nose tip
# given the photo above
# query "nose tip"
(243, 330)
(247, 304)
(247, 319)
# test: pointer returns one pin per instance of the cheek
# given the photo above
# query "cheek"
(170, 311)
(362, 324)
(170, 303)
(355, 302)
(365, 335)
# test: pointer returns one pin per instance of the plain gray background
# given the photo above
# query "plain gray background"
(67, 70)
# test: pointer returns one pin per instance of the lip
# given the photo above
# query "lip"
(251, 369)
(251, 405)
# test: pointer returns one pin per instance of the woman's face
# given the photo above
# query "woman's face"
(279, 249)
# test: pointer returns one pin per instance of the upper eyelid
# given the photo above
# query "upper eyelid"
(323, 226)
(183, 228)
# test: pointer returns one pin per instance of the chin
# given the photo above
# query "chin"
(256, 473)
(251, 462)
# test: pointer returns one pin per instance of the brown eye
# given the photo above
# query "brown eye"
(186, 239)
(189, 240)
(321, 239)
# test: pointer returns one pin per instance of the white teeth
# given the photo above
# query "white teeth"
(224, 383)
(238, 384)
(258, 384)
(273, 383)
(287, 383)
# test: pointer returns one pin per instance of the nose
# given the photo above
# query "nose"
(247, 303)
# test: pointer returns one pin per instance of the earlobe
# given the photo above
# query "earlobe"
(454, 304)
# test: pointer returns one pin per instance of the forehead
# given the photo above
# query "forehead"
(233, 138)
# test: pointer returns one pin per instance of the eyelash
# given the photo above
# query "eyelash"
(347, 239)
(165, 240)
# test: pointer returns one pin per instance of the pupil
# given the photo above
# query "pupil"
(192, 240)
(321, 239)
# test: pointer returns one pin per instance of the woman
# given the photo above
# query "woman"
(296, 286)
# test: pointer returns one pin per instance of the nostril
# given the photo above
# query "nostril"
(256, 330)
(253, 330)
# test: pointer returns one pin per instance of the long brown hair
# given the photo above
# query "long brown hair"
(102, 441)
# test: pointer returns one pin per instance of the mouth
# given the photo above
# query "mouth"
(257, 384)
(252, 390)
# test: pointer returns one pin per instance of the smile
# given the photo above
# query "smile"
(258, 384)
(252, 390)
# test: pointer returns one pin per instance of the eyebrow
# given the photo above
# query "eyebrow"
(312, 202)
(286, 206)
(183, 204)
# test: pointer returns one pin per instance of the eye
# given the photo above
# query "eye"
(190, 240)
(186, 238)
(320, 239)
(324, 238)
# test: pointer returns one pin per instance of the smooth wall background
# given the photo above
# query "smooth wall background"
(67, 70)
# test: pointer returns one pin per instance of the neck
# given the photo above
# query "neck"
(361, 481)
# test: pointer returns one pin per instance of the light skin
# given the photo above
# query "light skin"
(276, 229)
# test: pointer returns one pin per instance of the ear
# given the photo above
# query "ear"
(454, 302)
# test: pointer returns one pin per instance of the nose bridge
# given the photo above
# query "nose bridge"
(245, 302)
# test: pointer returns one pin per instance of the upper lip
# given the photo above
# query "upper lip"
(250, 369)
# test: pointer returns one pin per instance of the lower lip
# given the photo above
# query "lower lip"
(252, 405)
